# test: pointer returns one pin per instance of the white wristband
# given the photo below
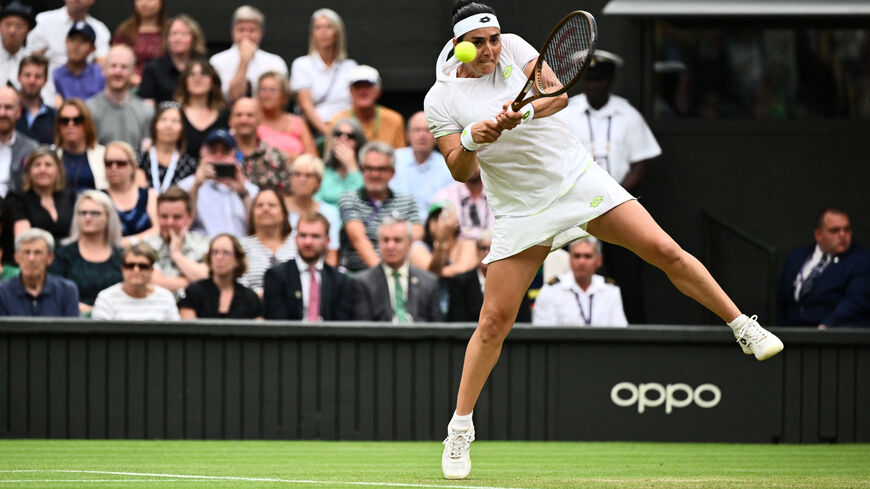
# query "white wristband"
(467, 140)
(528, 112)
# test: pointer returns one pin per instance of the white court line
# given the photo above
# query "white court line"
(88, 481)
(256, 479)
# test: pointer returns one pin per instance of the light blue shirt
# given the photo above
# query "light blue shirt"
(422, 181)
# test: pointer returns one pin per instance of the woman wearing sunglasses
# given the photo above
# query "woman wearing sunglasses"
(91, 256)
(342, 168)
(136, 206)
(76, 139)
(136, 298)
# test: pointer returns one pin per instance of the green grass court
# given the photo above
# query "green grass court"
(538, 465)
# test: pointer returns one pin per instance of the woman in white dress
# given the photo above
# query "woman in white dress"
(545, 191)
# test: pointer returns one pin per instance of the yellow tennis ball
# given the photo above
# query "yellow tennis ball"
(465, 51)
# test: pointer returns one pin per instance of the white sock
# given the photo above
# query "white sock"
(738, 321)
(460, 423)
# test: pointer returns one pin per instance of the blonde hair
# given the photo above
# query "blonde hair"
(305, 159)
(113, 223)
(128, 151)
(250, 14)
(197, 45)
(59, 181)
(337, 25)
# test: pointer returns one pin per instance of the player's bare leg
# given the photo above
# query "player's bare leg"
(631, 226)
(506, 282)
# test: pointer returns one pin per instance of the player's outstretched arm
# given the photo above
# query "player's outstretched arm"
(460, 161)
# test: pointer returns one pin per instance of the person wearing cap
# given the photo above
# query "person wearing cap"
(242, 64)
(622, 143)
(78, 78)
(119, 114)
(49, 36)
(219, 190)
(16, 20)
(378, 122)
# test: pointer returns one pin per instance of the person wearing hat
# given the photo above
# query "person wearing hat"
(242, 64)
(48, 37)
(621, 143)
(219, 190)
(378, 122)
(78, 78)
(16, 20)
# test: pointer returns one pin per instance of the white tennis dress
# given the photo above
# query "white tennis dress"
(541, 183)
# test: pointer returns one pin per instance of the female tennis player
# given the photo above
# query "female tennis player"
(546, 191)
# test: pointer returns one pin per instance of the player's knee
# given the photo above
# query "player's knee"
(494, 326)
(666, 253)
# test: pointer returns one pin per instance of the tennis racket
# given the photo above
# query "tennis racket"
(563, 59)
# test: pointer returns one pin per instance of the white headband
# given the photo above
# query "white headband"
(476, 21)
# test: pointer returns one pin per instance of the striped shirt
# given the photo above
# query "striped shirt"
(114, 304)
(357, 206)
(261, 258)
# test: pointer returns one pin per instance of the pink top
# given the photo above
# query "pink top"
(149, 45)
(290, 143)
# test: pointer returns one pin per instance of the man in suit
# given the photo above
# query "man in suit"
(394, 290)
(827, 284)
(288, 287)
(466, 290)
(14, 146)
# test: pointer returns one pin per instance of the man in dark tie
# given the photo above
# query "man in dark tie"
(306, 288)
(827, 284)
(394, 290)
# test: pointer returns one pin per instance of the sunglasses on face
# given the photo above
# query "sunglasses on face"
(118, 163)
(77, 120)
(137, 266)
(349, 135)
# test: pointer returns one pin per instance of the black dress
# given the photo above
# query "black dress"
(159, 79)
(27, 206)
(204, 298)
(195, 137)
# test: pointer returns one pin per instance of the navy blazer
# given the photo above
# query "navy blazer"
(840, 296)
(282, 293)
(371, 296)
(466, 299)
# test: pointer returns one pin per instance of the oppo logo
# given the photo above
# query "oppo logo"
(673, 396)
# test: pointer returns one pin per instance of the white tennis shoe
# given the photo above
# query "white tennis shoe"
(456, 460)
(755, 340)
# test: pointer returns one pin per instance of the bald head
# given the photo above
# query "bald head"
(119, 69)
(245, 117)
(10, 111)
(421, 139)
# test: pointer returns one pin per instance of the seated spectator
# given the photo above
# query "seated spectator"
(269, 241)
(306, 173)
(136, 298)
(14, 147)
(285, 131)
(202, 105)
(378, 122)
(242, 64)
(420, 170)
(91, 256)
(35, 292)
(166, 162)
(466, 289)
(45, 200)
(143, 33)
(76, 139)
(469, 198)
(49, 36)
(221, 200)
(77, 78)
(441, 251)
(37, 118)
(119, 114)
(342, 168)
(827, 284)
(136, 206)
(580, 297)
(180, 251)
(394, 290)
(318, 77)
(8, 267)
(362, 211)
(183, 41)
(16, 20)
(307, 288)
(221, 295)
(263, 164)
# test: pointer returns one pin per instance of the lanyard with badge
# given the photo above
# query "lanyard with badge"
(587, 320)
(155, 170)
(599, 159)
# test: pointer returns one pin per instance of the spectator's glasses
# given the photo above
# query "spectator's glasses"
(118, 163)
(77, 120)
(137, 266)
(349, 135)
(94, 214)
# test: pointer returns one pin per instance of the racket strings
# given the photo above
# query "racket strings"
(566, 55)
